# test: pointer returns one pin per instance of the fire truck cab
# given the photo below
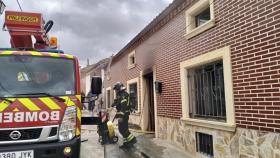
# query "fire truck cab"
(40, 99)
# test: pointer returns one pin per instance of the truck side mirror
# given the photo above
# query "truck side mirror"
(96, 85)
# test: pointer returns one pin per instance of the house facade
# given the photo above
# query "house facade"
(97, 69)
(205, 74)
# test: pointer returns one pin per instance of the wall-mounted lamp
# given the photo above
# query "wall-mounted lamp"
(158, 87)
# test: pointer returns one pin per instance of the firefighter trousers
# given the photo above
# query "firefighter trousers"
(123, 128)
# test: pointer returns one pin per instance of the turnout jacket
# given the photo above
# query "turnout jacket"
(122, 104)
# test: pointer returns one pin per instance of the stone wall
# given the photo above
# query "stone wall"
(243, 143)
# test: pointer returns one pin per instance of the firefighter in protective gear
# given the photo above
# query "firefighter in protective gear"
(123, 111)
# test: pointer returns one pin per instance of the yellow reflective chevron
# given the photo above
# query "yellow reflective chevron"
(6, 53)
(78, 132)
(68, 101)
(79, 97)
(16, 110)
(50, 103)
(29, 104)
(79, 115)
(54, 54)
(36, 53)
(4, 105)
(69, 56)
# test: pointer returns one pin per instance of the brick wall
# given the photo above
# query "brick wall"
(251, 29)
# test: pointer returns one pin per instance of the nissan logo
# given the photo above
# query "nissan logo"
(15, 135)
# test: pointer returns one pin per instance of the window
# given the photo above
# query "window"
(204, 144)
(131, 60)
(199, 18)
(133, 95)
(202, 17)
(204, 80)
(132, 88)
(34, 74)
(206, 91)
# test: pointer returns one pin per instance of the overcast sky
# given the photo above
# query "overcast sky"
(93, 29)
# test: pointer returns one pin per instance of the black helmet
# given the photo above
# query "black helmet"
(118, 86)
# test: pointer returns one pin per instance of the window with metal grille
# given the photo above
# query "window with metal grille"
(206, 91)
(133, 95)
(204, 144)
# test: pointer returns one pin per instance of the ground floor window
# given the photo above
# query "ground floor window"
(206, 91)
(204, 144)
(133, 95)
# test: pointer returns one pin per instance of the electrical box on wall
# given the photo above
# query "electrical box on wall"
(158, 86)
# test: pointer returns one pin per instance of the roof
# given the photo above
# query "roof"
(150, 28)
(100, 64)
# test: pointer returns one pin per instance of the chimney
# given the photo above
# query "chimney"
(87, 61)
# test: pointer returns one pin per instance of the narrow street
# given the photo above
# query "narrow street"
(147, 147)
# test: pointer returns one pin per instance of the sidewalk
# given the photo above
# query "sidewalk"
(146, 147)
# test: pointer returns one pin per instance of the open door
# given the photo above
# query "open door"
(150, 111)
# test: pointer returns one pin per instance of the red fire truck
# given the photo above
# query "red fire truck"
(40, 101)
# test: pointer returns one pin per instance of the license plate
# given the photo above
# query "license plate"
(18, 154)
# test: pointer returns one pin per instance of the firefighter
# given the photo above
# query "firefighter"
(123, 112)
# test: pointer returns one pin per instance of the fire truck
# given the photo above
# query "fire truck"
(40, 99)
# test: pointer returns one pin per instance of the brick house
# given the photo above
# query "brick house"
(97, 69)
(205, 75)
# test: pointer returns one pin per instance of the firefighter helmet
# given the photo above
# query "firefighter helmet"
(119, 86)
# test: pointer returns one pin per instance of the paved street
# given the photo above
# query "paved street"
(147, 147)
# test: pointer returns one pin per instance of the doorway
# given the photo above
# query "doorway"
(150, 111)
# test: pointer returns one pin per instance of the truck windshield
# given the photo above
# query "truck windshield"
(34, 74)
